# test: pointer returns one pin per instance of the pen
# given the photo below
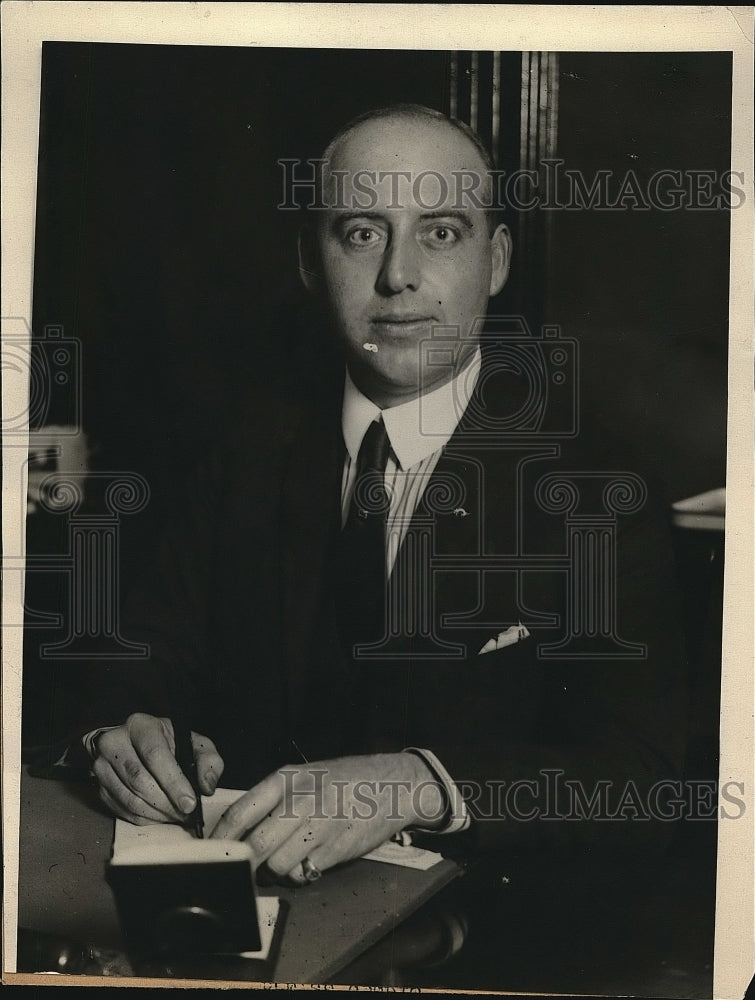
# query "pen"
(186, 761)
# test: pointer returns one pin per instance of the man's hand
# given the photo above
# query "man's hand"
(332, 811)
(139, 778)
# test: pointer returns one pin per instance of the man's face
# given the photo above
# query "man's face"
(402, 251)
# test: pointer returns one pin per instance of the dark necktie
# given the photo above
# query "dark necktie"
(362, 562)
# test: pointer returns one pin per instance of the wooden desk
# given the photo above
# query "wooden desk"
(65, 845)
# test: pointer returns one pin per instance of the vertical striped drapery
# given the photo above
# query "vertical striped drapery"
(538, 141)
(482, 91)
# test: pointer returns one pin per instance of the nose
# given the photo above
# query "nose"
(400, 268)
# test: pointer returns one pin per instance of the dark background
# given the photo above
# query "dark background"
(160, 247)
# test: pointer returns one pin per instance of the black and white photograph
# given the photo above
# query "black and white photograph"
(374, 613)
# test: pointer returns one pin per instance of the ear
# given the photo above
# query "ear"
(309, 270)
(500, 251)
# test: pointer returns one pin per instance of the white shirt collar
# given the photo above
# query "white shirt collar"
(416, 429)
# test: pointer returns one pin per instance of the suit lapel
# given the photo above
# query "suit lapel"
(469, 507)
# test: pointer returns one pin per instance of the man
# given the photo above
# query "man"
(413, 679)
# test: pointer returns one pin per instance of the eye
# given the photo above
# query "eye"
(442, 236)
(363, 236)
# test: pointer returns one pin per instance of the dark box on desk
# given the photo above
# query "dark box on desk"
(201, 900)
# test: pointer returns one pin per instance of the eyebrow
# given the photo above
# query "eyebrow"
(462, 217)
(452, 213)
(350, 216)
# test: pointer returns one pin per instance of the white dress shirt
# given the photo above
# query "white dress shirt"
(418, 432)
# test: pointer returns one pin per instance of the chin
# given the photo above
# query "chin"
(376, 373)
(400, 373)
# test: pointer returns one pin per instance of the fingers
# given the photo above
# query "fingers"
(319, 861)
(209, 763)
(286, 859)
(139, 774)
(125, 776)
(149, 737)
(249, 810)
(275, 833)
(118, 810)
(123, 801)
(270, 836)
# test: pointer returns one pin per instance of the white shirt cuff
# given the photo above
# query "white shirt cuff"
(458, 814)
(88, 739)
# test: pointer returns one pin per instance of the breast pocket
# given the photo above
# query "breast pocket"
(503, 689)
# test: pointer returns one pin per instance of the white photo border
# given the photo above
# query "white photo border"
(480, 27)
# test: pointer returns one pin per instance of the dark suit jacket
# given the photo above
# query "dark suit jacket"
(238, 612)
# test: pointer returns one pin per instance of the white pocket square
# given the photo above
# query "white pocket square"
(506, 638)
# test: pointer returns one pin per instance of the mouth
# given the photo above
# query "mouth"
(396, 319)
(401, 324)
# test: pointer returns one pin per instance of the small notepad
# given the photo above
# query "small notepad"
(129, 836)
(405, 856)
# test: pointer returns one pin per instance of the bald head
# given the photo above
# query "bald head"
(412, 112)
(371, 151)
